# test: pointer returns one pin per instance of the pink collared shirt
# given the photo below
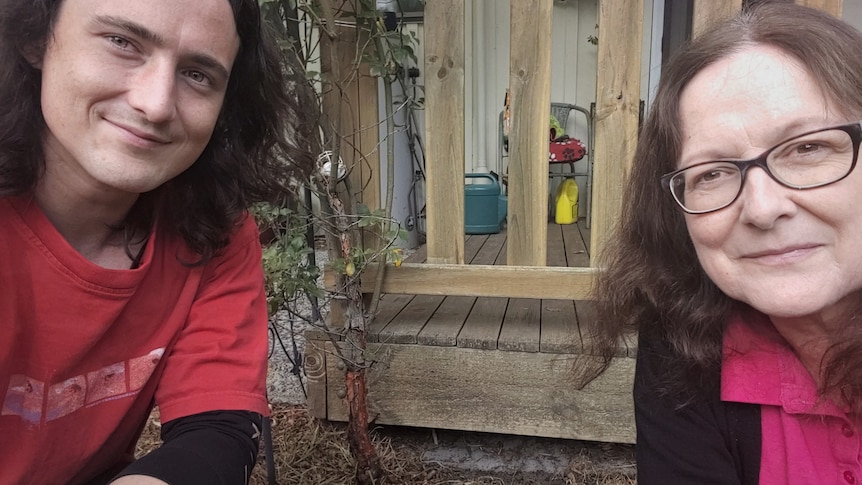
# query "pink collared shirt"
(806, 440)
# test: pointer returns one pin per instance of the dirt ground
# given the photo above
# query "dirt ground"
(307, 451)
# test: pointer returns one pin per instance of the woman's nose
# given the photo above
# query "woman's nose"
(763, 200)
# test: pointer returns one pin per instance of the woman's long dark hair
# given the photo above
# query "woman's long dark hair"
(652, 281)
(261, 139)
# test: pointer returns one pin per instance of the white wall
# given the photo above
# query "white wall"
(852, 13)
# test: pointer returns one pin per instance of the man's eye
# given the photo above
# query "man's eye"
(118, 41)
(198, 77)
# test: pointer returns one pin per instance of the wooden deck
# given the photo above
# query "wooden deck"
(485, 363)
(491, 323)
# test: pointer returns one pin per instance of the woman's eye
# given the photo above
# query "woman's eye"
(804, 148)
(712, 175)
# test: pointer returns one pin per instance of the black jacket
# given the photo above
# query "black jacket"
(693, 441)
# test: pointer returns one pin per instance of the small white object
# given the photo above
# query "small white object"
(324, 162)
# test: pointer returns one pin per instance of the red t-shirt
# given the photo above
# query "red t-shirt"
(84, 350)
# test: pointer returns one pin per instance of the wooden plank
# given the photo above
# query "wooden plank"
(494, 391)
(314, 366)
(556, 247)
(444, 325)
(586, 327)
(585, 234)
(444, 134)
(576, 250)
(339, 94)
(530, 89)
(447, 321)
(404, 328)
(390, 306)
(617, 108)
(705, 12)
(491, 250)
(482, 327)
(472, 246)
(559, 327)
(367, 170)
(486, 280)
(834, 7)
(319, 332)
(521, 328)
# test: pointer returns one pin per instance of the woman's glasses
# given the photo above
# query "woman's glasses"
(810, 160)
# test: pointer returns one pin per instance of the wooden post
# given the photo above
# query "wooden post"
(617, 107)
(530, 89)
(709, 11)
(339, 98)
(365, 178)
(834, 7)
(444, 132)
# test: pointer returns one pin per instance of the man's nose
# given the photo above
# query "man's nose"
(152, 91)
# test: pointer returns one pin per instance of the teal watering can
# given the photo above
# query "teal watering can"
(485, 207)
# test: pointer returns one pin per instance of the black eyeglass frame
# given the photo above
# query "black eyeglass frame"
(854, 130)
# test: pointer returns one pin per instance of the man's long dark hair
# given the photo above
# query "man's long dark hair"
(261, 139)
(653, 282)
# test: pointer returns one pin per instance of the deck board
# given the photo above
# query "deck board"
(388, 308)
(443, 328)
(405, 327)
(556, 246)
(521, 328)
(482, 327)
(560, 332)
(491, 323)
(576, 252)
(559, 321)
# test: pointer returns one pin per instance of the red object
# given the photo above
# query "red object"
(566, 150)
(84, 349)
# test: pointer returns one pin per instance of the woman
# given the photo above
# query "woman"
(738, 258)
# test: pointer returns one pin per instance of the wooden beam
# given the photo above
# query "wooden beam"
(340, 96)
(617, 107)
(834, 7)
(496, 391)
(708, 11)
(366, 174)
(530, 89)
(444, 121)
(542, 282)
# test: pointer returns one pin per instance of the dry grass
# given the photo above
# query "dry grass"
(308, 451)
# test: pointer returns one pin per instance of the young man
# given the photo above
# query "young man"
(133, 136)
